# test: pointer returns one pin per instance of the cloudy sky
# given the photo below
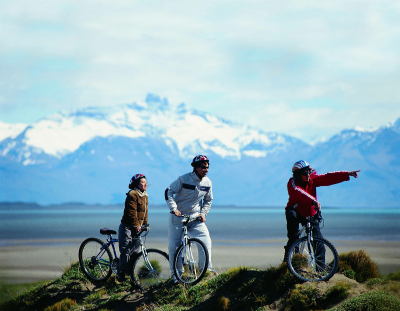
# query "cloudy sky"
(305, 68)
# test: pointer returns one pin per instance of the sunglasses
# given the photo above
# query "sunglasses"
(204, 167)
(306, 172)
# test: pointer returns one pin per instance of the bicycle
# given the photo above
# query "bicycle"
(312, 258)
(147, 268)
(191, 258)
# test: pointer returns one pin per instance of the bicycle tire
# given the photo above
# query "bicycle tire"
(317, 263)
(95, 261)
(159, 271)
(191, 266)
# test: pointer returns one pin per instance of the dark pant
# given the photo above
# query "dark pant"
(128, 242)
(293, 219)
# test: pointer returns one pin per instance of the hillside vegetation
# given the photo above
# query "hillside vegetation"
(358, 286)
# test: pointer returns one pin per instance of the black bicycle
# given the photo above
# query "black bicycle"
(147, 268)
(312, 258)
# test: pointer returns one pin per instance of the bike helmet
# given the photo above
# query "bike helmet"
(299, 165)
(198, 160)
(135, 180)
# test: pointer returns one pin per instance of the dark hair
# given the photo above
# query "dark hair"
(135, 183)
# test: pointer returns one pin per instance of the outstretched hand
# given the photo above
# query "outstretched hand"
(354, 173)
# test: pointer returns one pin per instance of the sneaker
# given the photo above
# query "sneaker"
(211, 270)
(121, 277)
(174, 279)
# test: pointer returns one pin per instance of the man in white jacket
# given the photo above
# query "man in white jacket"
(190, 194)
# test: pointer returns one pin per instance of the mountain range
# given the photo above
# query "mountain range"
(89, 155)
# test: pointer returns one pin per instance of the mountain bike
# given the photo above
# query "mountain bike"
(312, 258)
(147, 268)
(191, 257)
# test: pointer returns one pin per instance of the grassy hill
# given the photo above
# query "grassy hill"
(358, 286)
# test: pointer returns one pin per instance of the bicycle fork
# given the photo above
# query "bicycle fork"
(187, 253)
(309, 246)
(146, 259)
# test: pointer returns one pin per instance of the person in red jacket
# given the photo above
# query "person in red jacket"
(302, 189)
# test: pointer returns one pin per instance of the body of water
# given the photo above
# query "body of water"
(224, 223)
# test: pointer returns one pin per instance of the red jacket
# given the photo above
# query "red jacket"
(302, 195)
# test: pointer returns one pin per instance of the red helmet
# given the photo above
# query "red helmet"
(199, 159)
(135, 178)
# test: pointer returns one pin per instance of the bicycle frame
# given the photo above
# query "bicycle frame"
(111, 241)
(186, 247)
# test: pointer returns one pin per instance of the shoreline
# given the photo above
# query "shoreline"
(26, 261)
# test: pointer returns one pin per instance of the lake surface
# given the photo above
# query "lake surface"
(21, 222)
(224, 223)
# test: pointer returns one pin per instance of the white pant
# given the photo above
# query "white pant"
(196, 229)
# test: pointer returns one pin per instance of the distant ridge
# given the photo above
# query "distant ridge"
(89, 155)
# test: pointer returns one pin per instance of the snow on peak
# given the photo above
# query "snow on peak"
(11, 130)
(64, 132)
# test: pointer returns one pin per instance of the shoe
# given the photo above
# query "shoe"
(121, 277)
(211, 270)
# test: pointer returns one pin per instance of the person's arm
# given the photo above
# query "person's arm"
(132, 212)
(207, 201)
(331, 178)
(146, 214)
(173, 188)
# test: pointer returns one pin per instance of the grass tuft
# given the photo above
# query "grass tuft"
(359, 262)
(63, 305)
(223, 303)
(372, 301)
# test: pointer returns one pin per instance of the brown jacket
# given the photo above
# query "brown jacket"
(136, 208)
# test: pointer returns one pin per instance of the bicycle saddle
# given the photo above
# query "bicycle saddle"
(106, 231)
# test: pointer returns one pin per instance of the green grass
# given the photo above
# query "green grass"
(9, 291)
(358, 265)
(372, 301)
(240, 288)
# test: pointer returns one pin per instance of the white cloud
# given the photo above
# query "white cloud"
(333, 58)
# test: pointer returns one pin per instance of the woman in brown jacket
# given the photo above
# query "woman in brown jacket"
(135, 216)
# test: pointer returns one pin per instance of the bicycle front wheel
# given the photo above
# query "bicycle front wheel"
(314, 261)
(151, 269)
(95, 259)
(191, 262)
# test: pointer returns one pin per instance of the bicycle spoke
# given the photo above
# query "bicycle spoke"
(318, 261)
(152, 269)
(191, 262)
(95, 259)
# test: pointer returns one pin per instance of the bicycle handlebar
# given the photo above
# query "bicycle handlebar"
(146, 227)
(188, 218)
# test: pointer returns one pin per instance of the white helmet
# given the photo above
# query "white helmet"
(300, 165)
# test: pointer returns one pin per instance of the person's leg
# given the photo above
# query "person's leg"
(174, 238)
(200, 231)
(125, 245)
(292, 224)
(320, 250)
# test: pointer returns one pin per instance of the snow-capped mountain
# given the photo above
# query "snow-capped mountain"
(11, 130)
(64, 132)
(89, 156)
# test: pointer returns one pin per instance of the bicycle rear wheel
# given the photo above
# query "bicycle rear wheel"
(314, 261)
(95, 259)
(151, 270)
(191, 262)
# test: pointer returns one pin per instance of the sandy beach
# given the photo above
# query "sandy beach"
(29, 261)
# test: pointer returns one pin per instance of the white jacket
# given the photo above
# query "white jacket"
(190, 195)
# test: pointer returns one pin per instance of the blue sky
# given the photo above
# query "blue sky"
(305, 68)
